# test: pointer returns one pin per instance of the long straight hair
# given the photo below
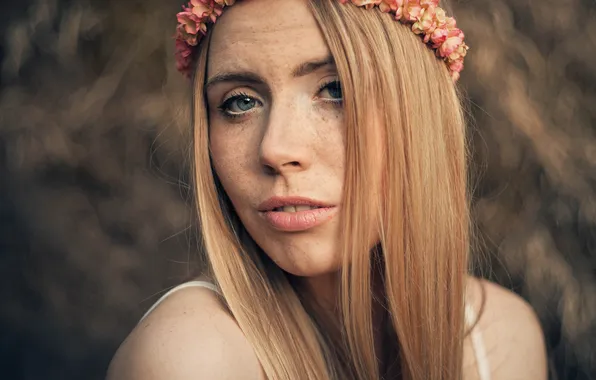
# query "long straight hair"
(405, 176)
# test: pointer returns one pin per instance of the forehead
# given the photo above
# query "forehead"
(265, 35)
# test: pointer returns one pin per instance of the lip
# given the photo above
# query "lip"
(296, 221)
(275, 202)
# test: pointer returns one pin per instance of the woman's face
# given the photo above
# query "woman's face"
(276, 131)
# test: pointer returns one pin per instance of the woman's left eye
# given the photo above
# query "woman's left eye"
(331, 91)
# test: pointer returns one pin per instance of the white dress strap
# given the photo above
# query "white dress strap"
(190, 284)
(482, 363)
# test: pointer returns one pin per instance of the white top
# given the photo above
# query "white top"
(190, 284)
(483, 365)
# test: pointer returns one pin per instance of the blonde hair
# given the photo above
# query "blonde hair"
(399, 97)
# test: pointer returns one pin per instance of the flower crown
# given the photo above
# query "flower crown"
(425, 17)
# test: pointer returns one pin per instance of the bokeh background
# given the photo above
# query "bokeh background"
(95, 216)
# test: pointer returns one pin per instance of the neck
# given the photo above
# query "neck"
(323, 290)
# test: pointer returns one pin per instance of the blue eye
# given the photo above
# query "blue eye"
(239, 104)
(332, 89)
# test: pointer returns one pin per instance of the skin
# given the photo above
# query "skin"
(288, 141)
(287, 136)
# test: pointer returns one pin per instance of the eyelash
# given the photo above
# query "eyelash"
(226, 103)
(336, 102)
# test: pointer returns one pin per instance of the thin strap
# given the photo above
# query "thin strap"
(483, 365)
(190, 284)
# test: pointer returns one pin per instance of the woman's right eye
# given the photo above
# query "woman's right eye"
(238, 105)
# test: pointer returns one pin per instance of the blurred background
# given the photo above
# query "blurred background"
(95, 217)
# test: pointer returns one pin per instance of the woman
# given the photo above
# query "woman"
(330, 175)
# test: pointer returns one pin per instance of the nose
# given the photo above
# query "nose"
(286, 145)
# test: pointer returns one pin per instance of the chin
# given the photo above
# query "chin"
(311, 253)
(308, 271)
(304, 259)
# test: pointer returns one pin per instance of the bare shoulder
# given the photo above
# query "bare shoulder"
(189, 335)
(513, 338)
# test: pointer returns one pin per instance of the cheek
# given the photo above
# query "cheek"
(231, 161)
(331, 145)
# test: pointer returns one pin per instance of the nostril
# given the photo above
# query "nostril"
(269, 170)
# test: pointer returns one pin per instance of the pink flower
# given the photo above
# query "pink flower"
(426, 24)
(455, 32)
(182, 49)
(201, 8)
(450, 23)
(399, 12)
(440, 17)
(412, 10)
(429, 3)
(387, 6)
(183, 57)
(206, 9)
(455, 39)
(456, 66)
(368, 4)
(438, 36)
(449, 46)
(183, 61)
(459, 53)
(189, 39)
(189, 21)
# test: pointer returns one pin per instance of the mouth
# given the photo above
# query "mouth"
(292, 204)
(295, 208)
(293, 214)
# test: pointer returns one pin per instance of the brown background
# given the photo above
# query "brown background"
(94, 215)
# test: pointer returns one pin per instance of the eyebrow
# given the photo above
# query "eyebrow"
(311, 66)
(301, 70)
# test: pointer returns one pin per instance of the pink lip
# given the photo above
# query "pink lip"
(296, 221)
(275, 202)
